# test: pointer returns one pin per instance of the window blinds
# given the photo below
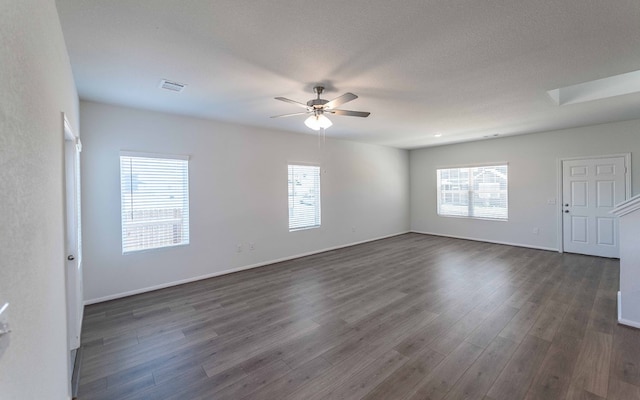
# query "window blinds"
(154, 201)
(478, 192)
(304, 197)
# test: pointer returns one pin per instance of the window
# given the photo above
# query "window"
(154, 194)
(477, 192)
(304, 197)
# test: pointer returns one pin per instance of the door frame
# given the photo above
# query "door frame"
(627, 191)
(73, 317)
(70, 138)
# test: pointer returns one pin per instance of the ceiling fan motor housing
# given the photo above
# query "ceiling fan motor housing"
(317, 103)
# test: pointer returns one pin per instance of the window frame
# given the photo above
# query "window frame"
(317, 217)
(185, 225)
(470, 192)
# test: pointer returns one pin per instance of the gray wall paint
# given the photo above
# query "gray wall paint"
(36, 86)
(238, 195)
(532, 179)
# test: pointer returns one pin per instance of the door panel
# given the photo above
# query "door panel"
(590, 189)
(579, 229)
(579, 171)
(605, 169)
(605, 194)
(606, 227)
(579, 193)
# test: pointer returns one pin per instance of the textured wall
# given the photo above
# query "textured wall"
(36, 86)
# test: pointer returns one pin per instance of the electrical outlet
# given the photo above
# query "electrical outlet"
(535, 231)
(353, 229)
(252, 246)
(239, 248)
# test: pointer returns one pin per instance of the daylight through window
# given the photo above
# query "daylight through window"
(304, 197)
(477, 192)
(154, 200)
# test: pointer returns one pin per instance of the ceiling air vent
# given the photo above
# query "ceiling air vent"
(172, 86)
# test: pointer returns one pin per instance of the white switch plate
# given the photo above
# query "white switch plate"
(4, 318)
(551, 202)
(4, 328)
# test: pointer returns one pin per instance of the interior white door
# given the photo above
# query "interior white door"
(73, 273)
(590, 189)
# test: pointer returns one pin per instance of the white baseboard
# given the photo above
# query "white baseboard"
(619, 306)
(623, 321)
(230, 271)
(487, 241)
(626, 322)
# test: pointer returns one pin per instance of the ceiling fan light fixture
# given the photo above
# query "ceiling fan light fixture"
(316, 108)
(316, 122)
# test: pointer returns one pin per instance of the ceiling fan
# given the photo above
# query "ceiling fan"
(318, 107)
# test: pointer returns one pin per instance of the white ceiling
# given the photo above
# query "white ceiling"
(465, 69)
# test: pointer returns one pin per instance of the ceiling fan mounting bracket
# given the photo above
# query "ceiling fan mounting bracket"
(317, 103)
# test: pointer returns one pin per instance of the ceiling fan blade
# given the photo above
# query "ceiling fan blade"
(292, 102)
(289, 115)
(340, 100)
(349, 113)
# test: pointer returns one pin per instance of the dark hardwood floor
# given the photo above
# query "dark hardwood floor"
(410, 317)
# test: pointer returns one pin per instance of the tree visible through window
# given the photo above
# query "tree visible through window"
(154, 200)
(304, 197)
(479, 192)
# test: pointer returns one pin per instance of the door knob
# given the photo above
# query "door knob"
(70, 257)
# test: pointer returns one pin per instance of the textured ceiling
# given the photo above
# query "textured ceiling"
(465, 69)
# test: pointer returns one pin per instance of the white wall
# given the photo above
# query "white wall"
(532, 180)
(36, 85)
(629, 294)
(238, 195)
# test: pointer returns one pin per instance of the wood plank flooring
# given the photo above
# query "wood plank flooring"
(409, 317)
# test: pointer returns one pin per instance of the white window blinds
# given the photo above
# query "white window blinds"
(478, 192)
(154, 200)
(304, 197)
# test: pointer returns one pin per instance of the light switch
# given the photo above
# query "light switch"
(4, 328)
(4, 319)
(551, 202)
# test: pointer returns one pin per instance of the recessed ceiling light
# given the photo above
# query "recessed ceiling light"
(438, 135)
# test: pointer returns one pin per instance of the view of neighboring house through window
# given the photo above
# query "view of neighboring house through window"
(304, 197)
(154, 200)
(477, 192)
